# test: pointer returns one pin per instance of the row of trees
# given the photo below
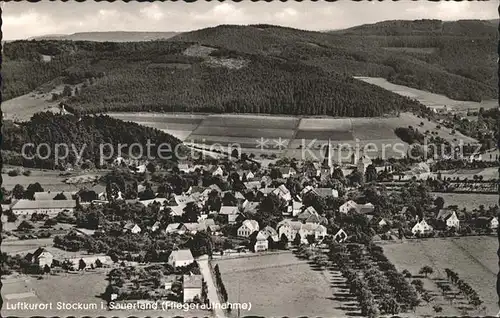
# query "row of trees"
(220, 283)
(464, 287)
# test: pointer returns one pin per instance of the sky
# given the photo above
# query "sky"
(22, 20)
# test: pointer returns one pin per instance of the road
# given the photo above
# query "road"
(213, 296)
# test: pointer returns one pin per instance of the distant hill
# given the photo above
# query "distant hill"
(472, 28)
(113, 36)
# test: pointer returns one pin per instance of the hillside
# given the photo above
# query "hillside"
(180, 76)
(83, 135)
(264, 68)
(456, 59)
(112, 36)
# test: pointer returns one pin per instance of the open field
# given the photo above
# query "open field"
(487, 173)
(476, 266)
(23, 107)
(279, 285)
(50, 179)
(428, 99)
(468, 200)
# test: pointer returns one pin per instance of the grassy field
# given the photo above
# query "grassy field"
(279, 285)
(487, 173)
(23, 107)
(426, 98)
(468, 200)
(48, 179)
(476, 266)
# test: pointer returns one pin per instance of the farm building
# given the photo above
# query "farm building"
(180, 258)
(191, 285)
(49, 207)
(132, 228)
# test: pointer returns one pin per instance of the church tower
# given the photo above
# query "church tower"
(327, 168)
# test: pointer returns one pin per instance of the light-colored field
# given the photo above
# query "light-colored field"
(469, 201)
(487, 173)
(428, 99)
(243, 132)
(279, 285)
(420, 50)
(48, 179)
(252, 121)
(473, 258)
(23, 107)
(339, 124)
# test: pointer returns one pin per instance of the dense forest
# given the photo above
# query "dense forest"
(265, 68)
(85, 134)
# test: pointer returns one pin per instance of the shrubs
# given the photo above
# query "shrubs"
(13, 173)
(220, 283)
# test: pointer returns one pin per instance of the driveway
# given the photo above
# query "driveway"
(213, 296)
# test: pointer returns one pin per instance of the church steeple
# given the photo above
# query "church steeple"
(328, 161)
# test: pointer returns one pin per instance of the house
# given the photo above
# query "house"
(494, 223)
(167, 282)
(269, 232)
(382, 222)
(192, 228)
(358, 208)
(172, 228)
(287, 172)
(132, 228)
(261, 242)
(155, 226)
(217, 171)
(283, 193)
(264, 192)
(294, 208)
(252, 184)
(177, 210)
(41, 257)
(191, 286)
(231, 212)
(325, 192)
(348, 206)
(180, 258)
(249, 175)
(48, 207)
(185, 167)
(340, 236)
(183, 200)
(247, 228)
(314, 229)
(307, 213)
(289, 229)
(421, 228)
(449, 218)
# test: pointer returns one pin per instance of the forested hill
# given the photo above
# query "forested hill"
(84, 134)
(263, 68)
(472, 28)
(180, 76)
(457, 59)
(112, 36)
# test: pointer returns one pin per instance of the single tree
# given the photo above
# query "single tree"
(426, 270)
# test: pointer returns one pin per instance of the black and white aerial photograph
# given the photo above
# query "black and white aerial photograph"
(250, 159)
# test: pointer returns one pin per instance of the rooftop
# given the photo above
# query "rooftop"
(44, 204)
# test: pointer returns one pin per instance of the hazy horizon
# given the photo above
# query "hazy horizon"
(23, 20)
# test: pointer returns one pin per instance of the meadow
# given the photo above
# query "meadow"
(279, 285)
(469, 201)
(428, 99)
(476, 266)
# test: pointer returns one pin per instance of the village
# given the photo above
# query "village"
(222, 208)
